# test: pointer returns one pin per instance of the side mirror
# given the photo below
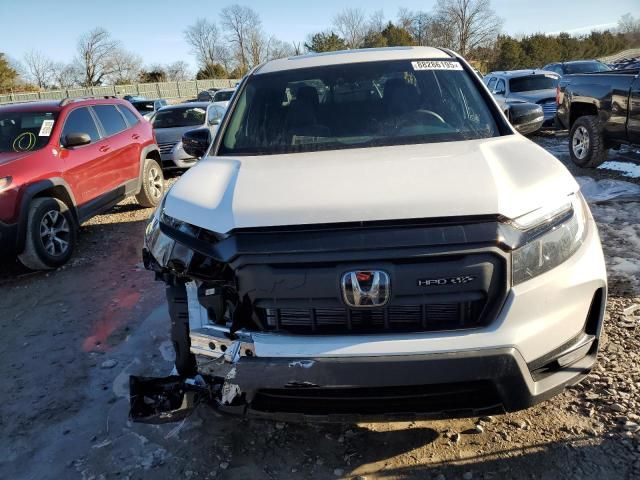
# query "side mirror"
(214, 121)
(526, 118)
(196, 142)
(498, 92)
(76, 139)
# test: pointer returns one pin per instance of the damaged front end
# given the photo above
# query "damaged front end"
(263, 322)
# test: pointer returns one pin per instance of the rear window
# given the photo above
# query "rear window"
(585, 67)
(129, 115)
(358, 105)
(222, 96)
(25, 131)
(144, 107)
(179, 117)
(110, 118)
(533, 82)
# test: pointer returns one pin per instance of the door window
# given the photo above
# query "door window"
(492, 83)
(80, 120)
(500, 90)
(110, 118)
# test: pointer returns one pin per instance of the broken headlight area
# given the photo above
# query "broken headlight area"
(179, 248)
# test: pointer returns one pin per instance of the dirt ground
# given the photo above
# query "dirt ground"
(71, 338)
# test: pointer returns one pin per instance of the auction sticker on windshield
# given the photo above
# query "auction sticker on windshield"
(436, 65)
(45, 128)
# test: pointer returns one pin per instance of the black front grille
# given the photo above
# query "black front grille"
(464, 398)
(398, 318)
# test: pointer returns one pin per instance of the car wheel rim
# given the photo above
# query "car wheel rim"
(155, 182)
(55, 233)
(580, 143)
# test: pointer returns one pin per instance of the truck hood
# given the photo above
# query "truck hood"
(507, 175)
(535, 96)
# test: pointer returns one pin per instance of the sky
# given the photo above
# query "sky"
(154, 29)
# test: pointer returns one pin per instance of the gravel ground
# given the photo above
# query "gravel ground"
(73, 336)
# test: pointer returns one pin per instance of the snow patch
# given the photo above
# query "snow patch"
(301, 363)
(628, 169)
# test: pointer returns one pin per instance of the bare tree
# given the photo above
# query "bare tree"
(95, 56)
(351, 24)
(178, 71)
(420, 25)
(628, 24)
(39, 68)
(65, 75)
(473, 23)
(206, 44)
(298, 48)
(241, 24)
(125, 67)
(280, 49)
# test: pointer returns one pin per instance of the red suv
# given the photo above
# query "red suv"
(62, 163)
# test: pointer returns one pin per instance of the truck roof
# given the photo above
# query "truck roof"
(343, 57)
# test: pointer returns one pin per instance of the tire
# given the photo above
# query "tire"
(586, 143)
(51, 235)
(151, 184)
(179, 314)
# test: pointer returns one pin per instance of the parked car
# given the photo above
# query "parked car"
(391, 247)
(171, 122)
(533, 86)
(577, 66)
(133, 98)
(148, 108)
(600, 110)
(61, 163)
(223, 96)
(207, 95)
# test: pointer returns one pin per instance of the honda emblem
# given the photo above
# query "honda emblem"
(365, 288)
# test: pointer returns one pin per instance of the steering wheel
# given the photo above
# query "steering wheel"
(417, 117)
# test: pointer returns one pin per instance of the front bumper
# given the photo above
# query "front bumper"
(445, 385)
(177, 158)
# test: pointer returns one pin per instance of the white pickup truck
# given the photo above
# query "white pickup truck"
(367, 236)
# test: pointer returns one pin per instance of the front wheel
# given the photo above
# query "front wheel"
(50, 236)
(586, 142)
(152, 187)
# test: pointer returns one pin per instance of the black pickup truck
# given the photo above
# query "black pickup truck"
(601, 111)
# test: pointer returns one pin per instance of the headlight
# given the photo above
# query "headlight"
(5, 182)
(554, 233)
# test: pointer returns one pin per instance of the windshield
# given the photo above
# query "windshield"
(534, 82)
(179, 117)
(585, 67)
(143, 107)
(355, 106)
(25, 131)
(222, 96)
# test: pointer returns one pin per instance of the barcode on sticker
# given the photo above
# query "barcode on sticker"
(45, 128)
(436, 65)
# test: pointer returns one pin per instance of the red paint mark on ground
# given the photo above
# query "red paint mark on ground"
(114, 317)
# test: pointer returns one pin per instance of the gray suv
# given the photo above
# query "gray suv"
(534, 86)
(170, 123)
